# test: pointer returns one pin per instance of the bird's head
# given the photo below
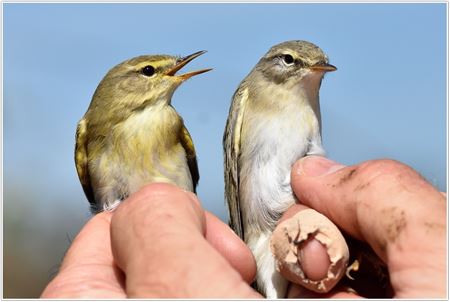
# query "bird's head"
(292, 62)
(143, 81)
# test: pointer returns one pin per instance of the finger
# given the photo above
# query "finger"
(313, 256)
(309, 249)
(230, 246)
(88, 268)
(224, 240)
(383, 202)
(384, 195)
(158, 241)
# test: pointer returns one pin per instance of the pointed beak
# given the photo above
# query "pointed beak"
(322, 66)
(183, 61)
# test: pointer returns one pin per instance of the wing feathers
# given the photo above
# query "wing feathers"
(188, 145)
(81, 161)
(231, 144)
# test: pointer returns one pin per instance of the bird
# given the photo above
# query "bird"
(131, 135)
(273, 121)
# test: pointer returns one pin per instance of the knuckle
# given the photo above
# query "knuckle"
(158, 204)
(164, 194)
(384, 165)
(155, 205)
(152, 199)
(155, 195)
(157, 190)
(383, 170)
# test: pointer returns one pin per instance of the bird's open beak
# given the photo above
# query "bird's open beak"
(323, 67)
(183, 61)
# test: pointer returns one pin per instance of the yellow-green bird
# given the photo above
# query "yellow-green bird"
(274, 120)
(131, 135)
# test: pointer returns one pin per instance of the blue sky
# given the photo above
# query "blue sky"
(387, 99)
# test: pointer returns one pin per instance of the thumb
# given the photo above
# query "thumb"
(382, 202)
(372, 201)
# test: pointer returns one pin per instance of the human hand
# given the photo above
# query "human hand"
(159, 243)
(390, 207)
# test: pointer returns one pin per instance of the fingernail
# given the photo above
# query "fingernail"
(316, 165)
(313, 259)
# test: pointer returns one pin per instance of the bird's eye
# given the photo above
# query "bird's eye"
(148, 70)
(288, 59)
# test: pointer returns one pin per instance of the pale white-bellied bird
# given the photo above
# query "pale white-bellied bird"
(274, 120)
(131, 135)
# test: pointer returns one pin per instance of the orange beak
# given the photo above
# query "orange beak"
(323, 67)
(183, 61)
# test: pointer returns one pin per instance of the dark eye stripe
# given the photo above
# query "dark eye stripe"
(299, 62)
(296, 61)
